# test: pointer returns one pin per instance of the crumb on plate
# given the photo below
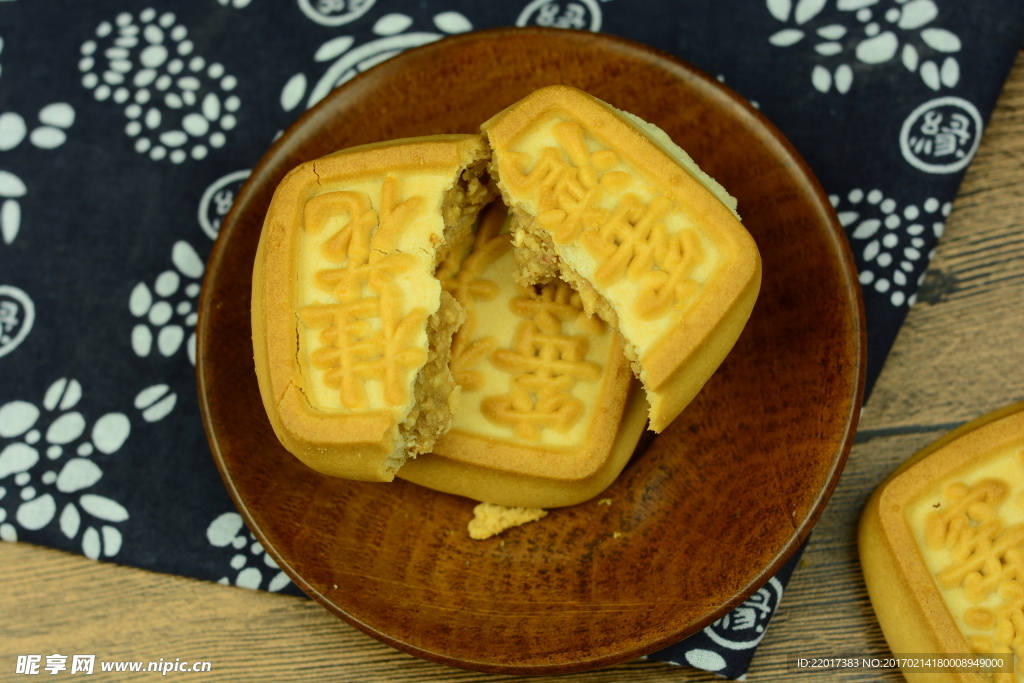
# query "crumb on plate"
(490, 519)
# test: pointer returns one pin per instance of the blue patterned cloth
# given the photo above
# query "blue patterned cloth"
(126, 128)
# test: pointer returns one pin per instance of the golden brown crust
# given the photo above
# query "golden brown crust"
(579, 170)
(403, 154)
(550, 413)
(365, 445)
(895, 548)
(532, 477)
(682, 361)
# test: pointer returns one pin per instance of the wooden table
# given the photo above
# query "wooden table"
(959, 355)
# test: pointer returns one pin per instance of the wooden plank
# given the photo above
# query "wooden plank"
(825, 610)
(959, 354)
(57, 602)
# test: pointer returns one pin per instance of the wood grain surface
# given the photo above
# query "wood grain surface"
(958, 356)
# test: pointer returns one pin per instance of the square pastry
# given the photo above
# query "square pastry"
(609, 204)
(942, 547)
(549, 412)
(351, 330)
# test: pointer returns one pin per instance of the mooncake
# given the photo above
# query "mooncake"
(351, 330)
(609, 204)
(942, 547)
(549, 412)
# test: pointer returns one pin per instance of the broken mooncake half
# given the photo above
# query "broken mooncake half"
(351, 330)
(942, 548)
(654, 246)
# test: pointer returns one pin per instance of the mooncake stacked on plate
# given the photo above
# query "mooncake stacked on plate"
(396, 334)
(549, 412)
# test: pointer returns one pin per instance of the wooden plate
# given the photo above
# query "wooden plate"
(697, 523)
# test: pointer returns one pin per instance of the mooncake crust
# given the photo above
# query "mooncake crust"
(356, 444)
(610, 154)
(903, 572)
(533, 477)
(550, 412)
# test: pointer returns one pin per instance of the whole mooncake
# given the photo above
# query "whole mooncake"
(942, 548)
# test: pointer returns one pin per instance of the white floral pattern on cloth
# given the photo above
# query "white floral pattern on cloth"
(168, 309)
(739, 630)
(335, 12)
(218, 199)
(941, 135)
(744, 627)
(17, 315)
(349, 61)
(177, 105)
(577, 14)
(156, 402)
(54, 120)
(237, 4)
(702, 658)
(870, 32)
(888, 242)
(228, 531)
(36, 487)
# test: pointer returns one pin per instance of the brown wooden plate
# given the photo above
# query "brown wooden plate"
(697, 523)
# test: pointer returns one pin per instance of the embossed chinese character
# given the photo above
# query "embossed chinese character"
(353, 349)
(545, 364)
(984, 554)
(569, 183)
(986, 561)
(631, 240)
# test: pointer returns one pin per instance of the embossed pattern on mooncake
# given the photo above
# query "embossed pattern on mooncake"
(971, 535)
(367, 332)
(536, 347)
(941, 545)
(351, 329)
(544, 364)
(586, 194)
(549, 412)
